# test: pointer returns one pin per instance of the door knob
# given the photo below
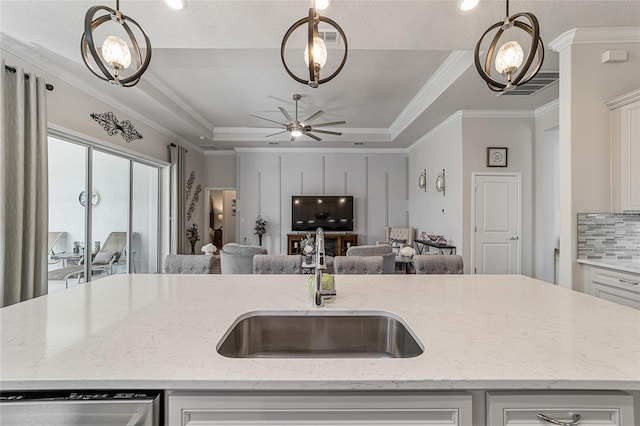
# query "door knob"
(515, 237)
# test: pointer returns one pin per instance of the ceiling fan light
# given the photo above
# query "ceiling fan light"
(176, 4)
(319, 52)
(468, 4)
(296, 132)
(509, 57)
(116, 52)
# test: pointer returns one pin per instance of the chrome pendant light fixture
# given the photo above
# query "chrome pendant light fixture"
(115, 54)
(510, 60)
(315, 53)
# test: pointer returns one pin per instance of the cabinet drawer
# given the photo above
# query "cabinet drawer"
(317, 408)
(594, 408)
(614, 286)
(623, 280)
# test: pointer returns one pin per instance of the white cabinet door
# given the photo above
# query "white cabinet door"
(625, 151)
(319, 408)
(532, 408)
(614, 286)
(630, 156)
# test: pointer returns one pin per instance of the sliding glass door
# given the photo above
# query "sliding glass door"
(115, 229)
(145, 217)
(110, 217)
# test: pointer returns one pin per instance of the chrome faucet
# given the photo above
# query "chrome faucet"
(320, 294)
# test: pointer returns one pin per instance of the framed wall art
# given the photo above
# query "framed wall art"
(496, 157)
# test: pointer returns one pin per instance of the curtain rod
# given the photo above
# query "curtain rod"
(12, 70)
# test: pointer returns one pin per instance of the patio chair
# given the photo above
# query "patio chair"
(53, 240)
(102, 262)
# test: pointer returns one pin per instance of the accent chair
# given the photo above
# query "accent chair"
(238, 259)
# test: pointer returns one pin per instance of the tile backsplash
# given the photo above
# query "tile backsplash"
(609, 236)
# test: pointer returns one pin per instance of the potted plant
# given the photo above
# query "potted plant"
(260, 228)
(193, 237)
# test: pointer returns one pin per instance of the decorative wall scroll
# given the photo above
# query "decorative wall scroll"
(110, 124)
(194, 202)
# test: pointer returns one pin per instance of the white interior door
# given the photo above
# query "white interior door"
(497, 224)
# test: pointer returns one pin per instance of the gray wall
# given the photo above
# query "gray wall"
(266, 180)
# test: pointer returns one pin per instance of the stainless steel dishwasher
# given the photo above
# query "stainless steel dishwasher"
(105, 408)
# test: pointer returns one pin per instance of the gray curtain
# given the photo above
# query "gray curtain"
(24, 208)
(177, 199)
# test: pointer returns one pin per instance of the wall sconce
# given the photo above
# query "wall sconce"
(510, 57)
(315, 53)
(220, 217)
(115, 51)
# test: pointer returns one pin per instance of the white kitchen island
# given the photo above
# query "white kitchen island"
(481, 333)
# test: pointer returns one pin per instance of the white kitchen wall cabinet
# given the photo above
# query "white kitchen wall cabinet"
(614, 286)
(625, 151)
(318, 408)
(543, 408)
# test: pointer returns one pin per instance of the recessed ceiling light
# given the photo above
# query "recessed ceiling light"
(202, 138)
(468, 4)
(176, 4)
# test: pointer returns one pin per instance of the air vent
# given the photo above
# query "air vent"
(329, 36)
(358, 143)
(274, 143)
(540, 81)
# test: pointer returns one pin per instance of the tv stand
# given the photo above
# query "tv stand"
(335, 243)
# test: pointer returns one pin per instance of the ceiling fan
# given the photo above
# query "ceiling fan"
(298, 128)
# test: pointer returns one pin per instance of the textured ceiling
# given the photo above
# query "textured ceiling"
(216, 62)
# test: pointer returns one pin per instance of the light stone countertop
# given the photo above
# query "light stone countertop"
(624, 265)
(161, 332)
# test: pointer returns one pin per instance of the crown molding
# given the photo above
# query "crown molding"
(316, 150)
(595, 35)
(29, 55)
(220, 152)
(249, 134)
(445, 123)
(497, 114)
(156, 89)
(544, 109)
(623, 100)
(446, 75)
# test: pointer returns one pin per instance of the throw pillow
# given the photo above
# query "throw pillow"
(397, 243)
(102, 258)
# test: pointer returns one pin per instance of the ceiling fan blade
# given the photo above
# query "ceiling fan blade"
(293, 139)
(312, 136)
(266, 119)
(327, 132)
(312, 116)
(286, 114)
(333, 123)
(273, 134)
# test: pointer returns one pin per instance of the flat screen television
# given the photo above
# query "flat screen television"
(330, 212)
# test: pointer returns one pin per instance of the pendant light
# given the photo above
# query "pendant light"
(116, 54)
(510, 60)
(315, 52)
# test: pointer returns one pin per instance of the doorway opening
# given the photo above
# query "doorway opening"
(221, 216)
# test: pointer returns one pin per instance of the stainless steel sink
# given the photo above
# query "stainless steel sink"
(329, 334)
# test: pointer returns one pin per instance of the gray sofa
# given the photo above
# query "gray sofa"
(438, 264)
(238, 259)
(188, 264)
(384, 250)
